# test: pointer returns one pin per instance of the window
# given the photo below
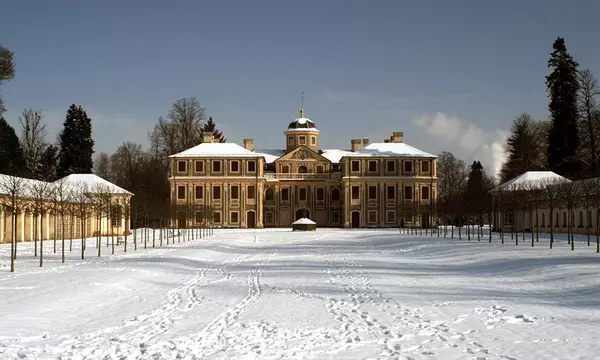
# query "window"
(216, 193)
(251, 192)
(557, 222)
(408, 195)
(543, 219)
(199, 192)
(335, 217)
(391, 192)
(390, 166)
(217, 217)
(508, 218)
(372, 216)
(580, 218)
(234, 217)
(313, 140)
(302, 194)
(115, 215)
(181, 192)
(302, 169)
(408, 166)
(425, 193)
(269, 217)
(251, 166)
(355, 166)
(285, 194)
(589, 220)
(424, 166)
(216, 166)
(335, 194)
(372, 192)
(372, 166)
(390, 217)
(320, 169)
(285, 169)
(320, 194)
(198, 217)
(302, 140)
(355, 192)
(199, 166)
(290, 140)
(181, 166)
(235, 166)
(269, 194)
(235, 192)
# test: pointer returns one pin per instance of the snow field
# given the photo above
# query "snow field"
(329, 294)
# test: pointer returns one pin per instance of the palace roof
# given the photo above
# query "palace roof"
(390, 150)
(217, 150)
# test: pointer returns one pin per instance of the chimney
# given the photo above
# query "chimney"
(365, 141)
(249, 144)
(355, 144)
(207, 137)
(397, 136)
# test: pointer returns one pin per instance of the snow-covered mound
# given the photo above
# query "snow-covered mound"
(304, 221)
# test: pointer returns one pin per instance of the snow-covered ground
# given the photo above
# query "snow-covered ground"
(329, 294)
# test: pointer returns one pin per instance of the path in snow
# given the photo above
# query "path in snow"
(330, 294)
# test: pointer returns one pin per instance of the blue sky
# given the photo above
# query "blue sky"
(367, 67)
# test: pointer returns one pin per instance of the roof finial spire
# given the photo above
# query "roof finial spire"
(302, 105)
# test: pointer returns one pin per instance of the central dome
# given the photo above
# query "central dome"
(302, 122)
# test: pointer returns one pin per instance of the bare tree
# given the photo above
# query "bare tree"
(42, 196)
(182, 128)
(14, 190)
(103, 166)
(589, 106)
(100, 194)
(570, 196)
(551, 196)
(595, 185)
(62, 198)
(83, 211)
(33, 140)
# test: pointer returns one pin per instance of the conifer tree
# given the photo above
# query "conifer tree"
(524, 148)
(12, 161)
(76, 143)
(563, 86)
(210, 126)
(48, 163)
(7, 69)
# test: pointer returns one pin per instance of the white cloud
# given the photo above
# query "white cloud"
(465, 140)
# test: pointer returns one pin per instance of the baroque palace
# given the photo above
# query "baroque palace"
(387, 184)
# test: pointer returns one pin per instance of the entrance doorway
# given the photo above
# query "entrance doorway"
(300, 213)
(251, 216)
(355, 219)
(180, 220)
(425, 220)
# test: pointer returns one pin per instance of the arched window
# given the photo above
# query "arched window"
(335, 194)
(285, 169)
(589, 220)
(269, 194)
(302, 169)
(556, 221)
(564, 219)
(580, 218)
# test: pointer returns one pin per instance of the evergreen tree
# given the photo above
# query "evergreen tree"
(12, 161)
(7, 69)
(210, 126)
(48, 162)
(563, 86)
(475, 188)
(76, 144)
(524, 148)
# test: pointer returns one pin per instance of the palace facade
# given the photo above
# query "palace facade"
(382, 184)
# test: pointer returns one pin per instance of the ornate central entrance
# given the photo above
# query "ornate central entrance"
(300, 213)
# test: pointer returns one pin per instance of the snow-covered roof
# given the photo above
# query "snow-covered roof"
(303, 221)
(335, 155)
(93, 183)
(390, 149)
(270, 155)
(533, 178)
(217, 150)
(30, 188)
